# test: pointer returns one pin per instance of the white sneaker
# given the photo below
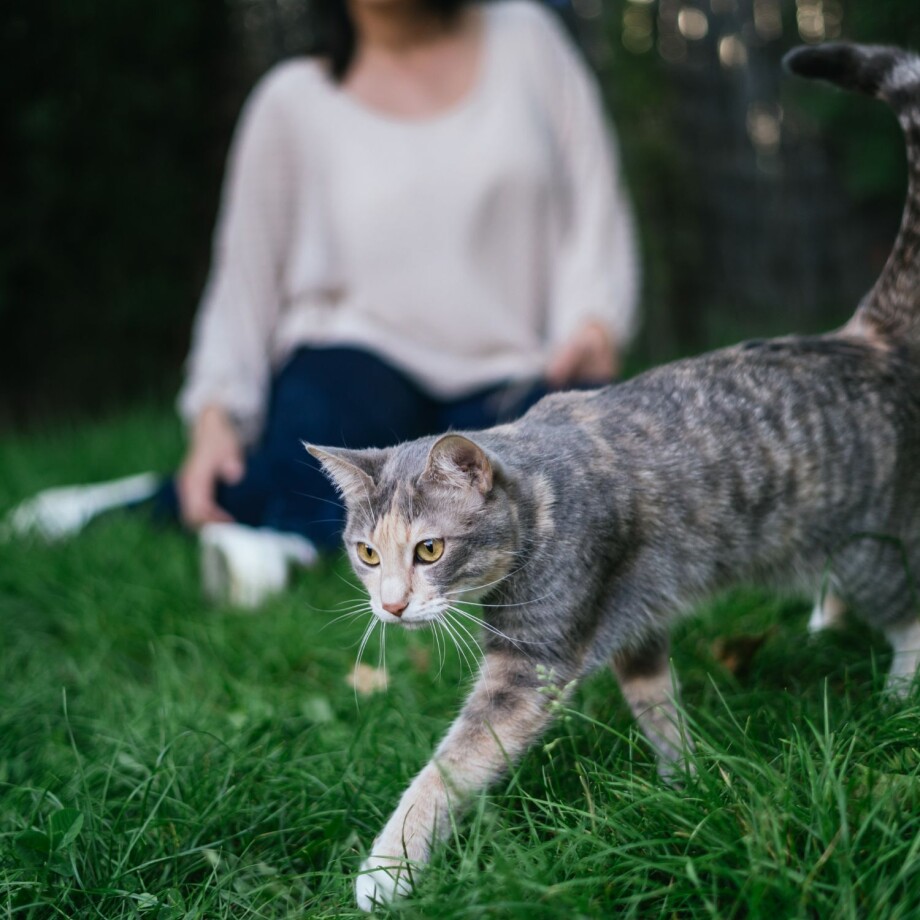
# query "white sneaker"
(244, 566)
(55, 514)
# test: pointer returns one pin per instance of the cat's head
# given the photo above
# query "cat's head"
(429, 524)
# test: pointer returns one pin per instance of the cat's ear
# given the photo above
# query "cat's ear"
(353, 472)
(457, 461)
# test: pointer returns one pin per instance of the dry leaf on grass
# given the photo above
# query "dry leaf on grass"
(367, 680)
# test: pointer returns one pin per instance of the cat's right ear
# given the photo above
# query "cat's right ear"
(459, 462)
(352, 472)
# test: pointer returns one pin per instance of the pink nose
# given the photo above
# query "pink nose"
(396, 608)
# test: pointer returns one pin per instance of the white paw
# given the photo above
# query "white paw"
(382, 880)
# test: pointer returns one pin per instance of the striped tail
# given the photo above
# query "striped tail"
(891, 310)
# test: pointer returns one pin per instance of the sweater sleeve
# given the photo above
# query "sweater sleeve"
(597, 273)
(229, 361)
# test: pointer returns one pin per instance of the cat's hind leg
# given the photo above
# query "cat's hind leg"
(904, 638)
(651, 690)
(877, 572)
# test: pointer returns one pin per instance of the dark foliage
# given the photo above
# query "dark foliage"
(740, 241)
(114, 119)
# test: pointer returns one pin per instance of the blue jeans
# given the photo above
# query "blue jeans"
(339, 397)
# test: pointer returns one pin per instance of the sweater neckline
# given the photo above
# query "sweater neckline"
(456, 109)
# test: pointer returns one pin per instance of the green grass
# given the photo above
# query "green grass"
(163, 759)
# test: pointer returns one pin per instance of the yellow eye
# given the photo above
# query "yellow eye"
(367, 554)
(429, 550)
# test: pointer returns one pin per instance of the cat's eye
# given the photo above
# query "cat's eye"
(367, 554)
(429, 550)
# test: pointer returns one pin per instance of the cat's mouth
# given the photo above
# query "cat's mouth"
(412, 621)
(416, 624)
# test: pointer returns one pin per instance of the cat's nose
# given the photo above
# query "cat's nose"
(396, 608)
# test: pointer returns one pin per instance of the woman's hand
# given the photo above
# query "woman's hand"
(590, 356)
(214, 455)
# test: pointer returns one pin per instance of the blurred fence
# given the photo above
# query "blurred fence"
(768, 204)
(765, 205)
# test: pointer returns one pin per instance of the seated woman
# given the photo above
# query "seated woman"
(421, 229)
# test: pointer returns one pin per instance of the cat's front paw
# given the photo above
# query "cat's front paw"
(382, 880)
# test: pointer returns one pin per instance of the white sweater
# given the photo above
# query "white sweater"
(462, 248)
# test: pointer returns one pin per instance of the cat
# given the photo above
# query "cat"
(588, 525)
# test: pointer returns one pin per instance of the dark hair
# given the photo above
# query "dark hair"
(334, 32)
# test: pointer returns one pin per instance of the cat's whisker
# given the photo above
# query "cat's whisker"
(349, 615)
(469, 655)
(342, 607)
(353, 605)
(449, 631)
(349, 603)
(382, 658)
(364, 640)
(319, 498)
(435, 631)
(497, 581)
(351, 584)
(461, 626)
(371, 626)
(476, 588)
(534, 600)
(335, 520)
(442, 647)
(492, 629)
(484, 668)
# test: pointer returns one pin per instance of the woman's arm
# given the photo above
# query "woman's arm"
(214, 455)
(228, 369)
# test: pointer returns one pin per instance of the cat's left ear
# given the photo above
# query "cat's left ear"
(457, 461)
(353, 472)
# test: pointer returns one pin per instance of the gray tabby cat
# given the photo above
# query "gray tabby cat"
(586, 527)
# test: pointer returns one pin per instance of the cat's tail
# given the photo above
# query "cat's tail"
(891, 310)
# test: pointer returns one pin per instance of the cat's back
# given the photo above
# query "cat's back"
(834, 405)
(753, 454)
(777, 380)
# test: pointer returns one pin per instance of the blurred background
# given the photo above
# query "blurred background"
(766, 205)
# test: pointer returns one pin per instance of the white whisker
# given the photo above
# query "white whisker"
(367, 634)
(319, 498)
(437, 640)
(490, 628)
(465, 630)
(497, 581)
(342, 607)
(348, 615)
(488, 584)
(382, 657)
(351, 584)
(468, 655)
(534, 600)
(448, 631)
(350, 601)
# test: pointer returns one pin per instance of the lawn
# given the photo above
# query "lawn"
(160, 758)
